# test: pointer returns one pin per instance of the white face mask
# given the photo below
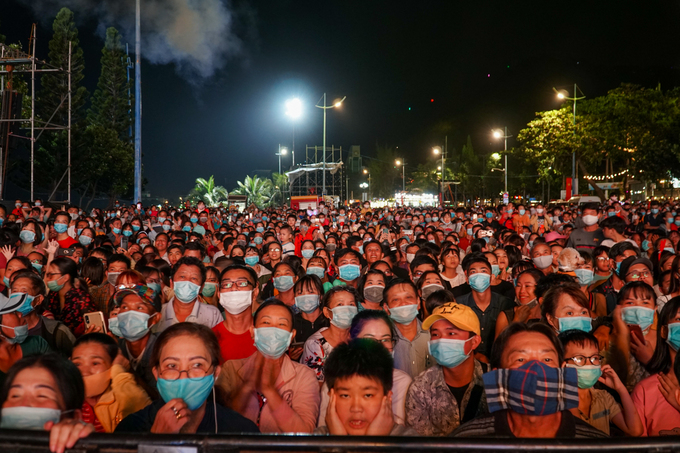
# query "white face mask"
(235, 302)
(590, 220)
(543, 262)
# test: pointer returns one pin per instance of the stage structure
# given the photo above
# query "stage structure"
(14, 61)
(307, 179)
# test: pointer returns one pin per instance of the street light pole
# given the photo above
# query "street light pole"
(282, 152)
(326, 107)
(505, 137)
(561, 95)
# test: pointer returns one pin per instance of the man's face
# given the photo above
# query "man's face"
(420, 270)
(400, 295)
(639, 272)
(358, 401)
(349, 259)
(187, 273)
(239, 280)
(174, 255)
(478, 268)
(524, 347)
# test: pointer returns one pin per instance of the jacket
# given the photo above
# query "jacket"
(124, 397)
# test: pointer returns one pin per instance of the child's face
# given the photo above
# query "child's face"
(586, 350)
(358, 402)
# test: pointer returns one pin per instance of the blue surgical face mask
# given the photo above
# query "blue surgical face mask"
(25, 301)
(132, 324)
(575, 323)
(587, 375)
(186, 292)
(448, 353)
(642, 316)
(284, 283)
(342, 316)
(60, 227)
(349, 272)
(479, 282)
(252, 260)
(495, 270)
(318, 271)
(655, 211)
(30, 418)
(257, 240)
(186, 228)
(27, 236)
(37, 266)
(522, 212)
(404, 314)
(135, 228)
(85, 240)
(127, 233)
(307, 302)
(585, 276)
(307, 254)
(167, 227)
(20, 334)
(209, 289)
(193, 392)
(674, 335)
(272, 342)
(162, 219)
(645, 245)
(194, 219)
(116, 230)
(156, 287)
(259, 229)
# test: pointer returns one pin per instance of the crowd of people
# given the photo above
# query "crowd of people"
(511, 321)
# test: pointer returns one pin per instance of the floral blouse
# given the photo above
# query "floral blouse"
(77, 303)
(315, 352)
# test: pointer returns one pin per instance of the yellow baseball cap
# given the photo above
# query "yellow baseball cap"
(459, 315)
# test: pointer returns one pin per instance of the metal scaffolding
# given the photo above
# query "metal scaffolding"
(14, 61)
(308, 179)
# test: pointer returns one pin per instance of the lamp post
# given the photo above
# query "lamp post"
(438, 150)
(294, 111)
(366, 172)
(564, 95)
(326, 107)
(282, 152)
(497, 134)
(402, 162)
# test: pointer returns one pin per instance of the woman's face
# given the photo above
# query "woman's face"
(432, 279)
(184, 353)
(667, 265)
(374, 280)
(378, 330)
(567, 307)
(451, 260)
(307, 246)
(502, 258)
(91, 358)
(34, 387)
(304, 290)
(664, 284)
(9, 321)
(638, 300)
(274, 252)
(211, 277)
(524, 291)
(12, 267)
(342, 299)
(284, 270)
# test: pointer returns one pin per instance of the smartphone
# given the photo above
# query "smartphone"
(95, 318)
(532, 304)
(124, 242)
(637, 331)
(408, 232)
(386, 231)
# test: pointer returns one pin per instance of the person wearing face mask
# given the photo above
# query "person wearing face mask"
(451, 392)
(186, 364)
(68, 299)
(15, 342)
(371, 286)
(542, 257)
(116, 264)
(237, 292)
(61, 223)
(310, 319)
(280, 395)
(595, 406)
(590, 235)
(188, 278)
(654, 219)
(111, 393)
(45, 392)
(28, 290)
(527, 393)
(138, 310)
(340, 307)
(348, 263)
(486, 304)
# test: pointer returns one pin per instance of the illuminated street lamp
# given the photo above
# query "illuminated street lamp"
(498, 134)
(294, 111)
(402, 163)
(282, 152)
(368, 173)
(564, 95)
(326, 107)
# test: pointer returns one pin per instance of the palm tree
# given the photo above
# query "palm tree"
(207, 192)
(258, 191)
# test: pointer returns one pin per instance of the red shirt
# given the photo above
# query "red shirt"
(66, 243)
(234, 347)
(89, 416)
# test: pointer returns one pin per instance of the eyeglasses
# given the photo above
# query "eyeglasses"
(274, 250)
(602, 258)
(639, 275)
(383, 341)
(172, 374)
(227, 284)
(580, 360)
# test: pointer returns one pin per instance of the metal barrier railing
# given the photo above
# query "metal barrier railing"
(37, 442)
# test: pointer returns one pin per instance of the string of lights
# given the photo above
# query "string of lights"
(606, 177)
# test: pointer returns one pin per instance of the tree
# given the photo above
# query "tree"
(425, 178)
(2, 38)
(257, 190)
(384, 172)
(279, 188)
(110, 100)
(51, 157)
(207, 192)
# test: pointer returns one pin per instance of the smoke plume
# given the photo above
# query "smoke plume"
(198, 36)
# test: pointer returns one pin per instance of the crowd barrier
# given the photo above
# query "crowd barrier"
(32, 442)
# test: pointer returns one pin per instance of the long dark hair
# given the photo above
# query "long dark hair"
(661, 359)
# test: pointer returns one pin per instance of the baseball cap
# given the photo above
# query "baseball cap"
(553, 236)
(144, 292)
(459, 315)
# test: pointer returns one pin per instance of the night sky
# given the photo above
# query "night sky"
(485, 64)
